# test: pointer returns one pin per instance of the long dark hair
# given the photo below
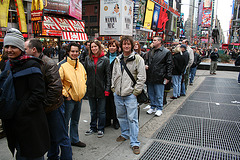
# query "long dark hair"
(99, 46)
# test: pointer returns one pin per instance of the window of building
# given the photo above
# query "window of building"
(85, 18)
(93, 18)
(12, 17)
(83, 10)
(95, 9)
(93, 30)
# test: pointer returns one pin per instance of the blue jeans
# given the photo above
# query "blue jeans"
(176, 79)
(58, 135)
(98, 114)
(127, 114)
(19, 157)
(192, 74)
(156, 93)
(72, 111)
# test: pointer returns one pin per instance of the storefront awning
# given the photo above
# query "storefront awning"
(73, 36)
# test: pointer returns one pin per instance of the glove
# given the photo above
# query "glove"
(107, 93)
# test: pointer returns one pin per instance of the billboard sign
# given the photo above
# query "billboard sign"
(53, 23)
(156, 14)
(57, 7)
(75, 9)
(116, 17)
(207, 3)
(141, 12)
(206, 17)
(149, 14)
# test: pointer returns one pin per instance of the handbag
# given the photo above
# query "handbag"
(142, 97)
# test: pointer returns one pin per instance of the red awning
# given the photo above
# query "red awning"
(73, 36)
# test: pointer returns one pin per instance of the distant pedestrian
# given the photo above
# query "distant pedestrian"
(214, 59)
(62, 52)
(125, 92)
(85, 52)
(179, 66)
(73, 76)
(185, 53)
(159, 72)
(53, 103)
(27, 131)
(196, 62)
(97, 66)
(190, 62)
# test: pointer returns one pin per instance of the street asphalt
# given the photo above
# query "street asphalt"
(106, 148)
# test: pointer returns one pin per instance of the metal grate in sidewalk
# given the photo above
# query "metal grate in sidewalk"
(165, 151)
(221, 135)
(182, 129)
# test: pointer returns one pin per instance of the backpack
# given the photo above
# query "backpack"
(8, 102)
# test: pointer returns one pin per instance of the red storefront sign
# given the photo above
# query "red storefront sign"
(53, 23)
(36, 15)
(52, 33)
(72, 36)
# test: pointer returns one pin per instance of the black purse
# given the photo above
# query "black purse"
(142, 97)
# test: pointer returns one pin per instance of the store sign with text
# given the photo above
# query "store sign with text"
(116, 17)
(53, 23)
(36, 15)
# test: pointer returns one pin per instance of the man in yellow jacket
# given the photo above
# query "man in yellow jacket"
(73, 76)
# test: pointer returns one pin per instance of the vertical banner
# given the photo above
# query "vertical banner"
(127, 17)
(21, 16)
(149, 14)
(200, 12)
(141, 12)
(207, 16)
(116, 17)
(75, 9)
(163, 18)
(155, 17)
(4, 5)
(174, 24)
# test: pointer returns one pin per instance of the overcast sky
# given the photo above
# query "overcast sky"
(223, 10)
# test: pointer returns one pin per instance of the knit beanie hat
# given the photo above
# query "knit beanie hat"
(14, 38)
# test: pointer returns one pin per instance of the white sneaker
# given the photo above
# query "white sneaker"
(158, 113)
(150, 111)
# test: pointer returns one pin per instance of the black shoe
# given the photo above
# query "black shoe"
(79, 144)
(116, 125)
(2, 135)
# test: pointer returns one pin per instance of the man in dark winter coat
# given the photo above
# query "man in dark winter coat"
(27, 131)
(53, 103)
(214, 59)
(159, 71)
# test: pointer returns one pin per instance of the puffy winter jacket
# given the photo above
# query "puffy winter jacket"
(74, 77)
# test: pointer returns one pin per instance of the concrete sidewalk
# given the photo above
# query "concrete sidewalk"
(107, 148)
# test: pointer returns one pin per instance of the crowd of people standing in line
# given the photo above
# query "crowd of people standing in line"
(52, 105)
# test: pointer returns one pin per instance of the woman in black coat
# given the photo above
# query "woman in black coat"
(97, 67)
(113, 48)
(27, 131)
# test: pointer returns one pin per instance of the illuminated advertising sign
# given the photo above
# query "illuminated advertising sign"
(4, 5)
(21, 16)
(57, 7)
(36, 15)
(75, 9)
(155, 16)
(207, 3)
(206, 17)
(116, 17)
(141, 12)
(149, 14)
